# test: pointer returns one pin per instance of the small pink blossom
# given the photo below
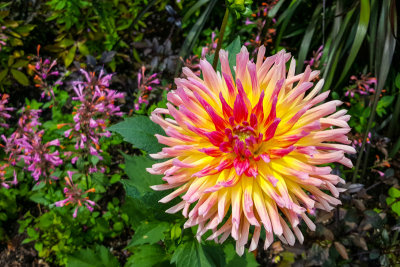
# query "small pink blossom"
(75, 196)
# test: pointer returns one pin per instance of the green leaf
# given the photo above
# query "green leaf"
(100, 257)
(40, 198)
(46, 220)
(139, 179)
(3, 74)
(66, 43)
(393, 200)
(39, 246)
(234, 260)
(138, 188)
(397, 81)
(70, 56)
(383, 103)
(394, 192)
(20, 77)
(149, 233)
(146, 255)
(192, 253)
(20, 63)
(25, 29)
(140, 131)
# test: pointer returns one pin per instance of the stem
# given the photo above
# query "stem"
(220, 38)
(369, 126)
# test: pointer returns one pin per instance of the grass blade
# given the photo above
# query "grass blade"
(284, 20)
(335, 51)
(306, 42)
(359, 37)
(194, 8)
(194, 33)
(372, 33)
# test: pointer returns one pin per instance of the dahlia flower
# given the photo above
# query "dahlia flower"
(244, 150)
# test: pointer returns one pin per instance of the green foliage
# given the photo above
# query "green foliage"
(193, 253)
(393, 200)
(384, 103)
(140, 131)
(147, 255)
(99, 257)
(149, 233)
(240, 7)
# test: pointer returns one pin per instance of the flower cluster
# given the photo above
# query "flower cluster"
(244, 151)
(315, 60)
(362, 85)
(38, 156)
(75, 196)
(210, 48)
(357, 140)
(264, 31)
(27, 126)
(145, 87)
(44, 69)
(96, 106)
(26, 143)
(4, 110)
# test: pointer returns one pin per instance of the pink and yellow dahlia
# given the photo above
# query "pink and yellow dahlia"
(245, 150)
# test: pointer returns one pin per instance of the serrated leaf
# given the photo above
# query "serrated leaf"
(20, 77)
(138, 187)
(139, 178)
(140, 131)
(149, 233)
(383, 103)
(100, 257)
(192, 253)
(146, 255)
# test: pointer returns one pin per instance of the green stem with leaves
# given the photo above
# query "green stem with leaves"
(220, 38)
